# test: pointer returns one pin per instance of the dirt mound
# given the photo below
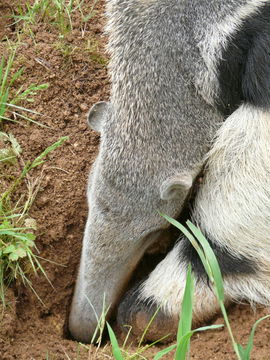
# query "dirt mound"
(76, 73)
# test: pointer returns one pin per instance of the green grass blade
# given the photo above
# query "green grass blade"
(211, 259)
(205, 253)
(39, 160)
(193, 242)
(16, 76)
(187, 305)
(20, 236)
(22, 108)
(211, 267)
(2, 69)
(183, 345)
(148, 326)
(5, 74)
(185, 321)
(241, 352)
(209, 327)
(163, 352)
(248, 349)
(3, 99)
(115, 347)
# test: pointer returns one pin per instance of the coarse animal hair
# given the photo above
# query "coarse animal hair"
(178, 69)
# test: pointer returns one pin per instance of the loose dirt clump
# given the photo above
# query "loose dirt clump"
(6, 27)
(75, 69)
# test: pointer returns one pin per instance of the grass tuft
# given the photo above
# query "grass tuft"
(18, 252)
(58, 13)
(9, 101)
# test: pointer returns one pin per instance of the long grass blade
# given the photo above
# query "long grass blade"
(163, 352)
(210, 258)
(115, 347)
(248, 349)
(193, 241)
(185, 321)
(187, 304)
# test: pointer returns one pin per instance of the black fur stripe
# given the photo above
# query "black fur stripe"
(229, 264)
(244, 71)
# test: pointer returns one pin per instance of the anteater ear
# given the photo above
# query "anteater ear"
(176, 186)
(97, 115)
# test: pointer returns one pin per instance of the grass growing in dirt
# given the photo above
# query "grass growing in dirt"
(18, 253)
(10, 100)
(58, 13)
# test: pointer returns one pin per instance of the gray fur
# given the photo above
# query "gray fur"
(158, 130)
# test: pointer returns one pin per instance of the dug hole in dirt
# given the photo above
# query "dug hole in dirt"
(30, 329)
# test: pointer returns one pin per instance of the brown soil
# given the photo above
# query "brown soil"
(78, 78)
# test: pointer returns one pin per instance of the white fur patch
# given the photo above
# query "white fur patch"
(233, 204)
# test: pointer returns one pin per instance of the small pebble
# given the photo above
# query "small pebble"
(84, 107)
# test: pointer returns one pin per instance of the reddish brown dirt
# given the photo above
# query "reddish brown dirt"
(77, 78)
